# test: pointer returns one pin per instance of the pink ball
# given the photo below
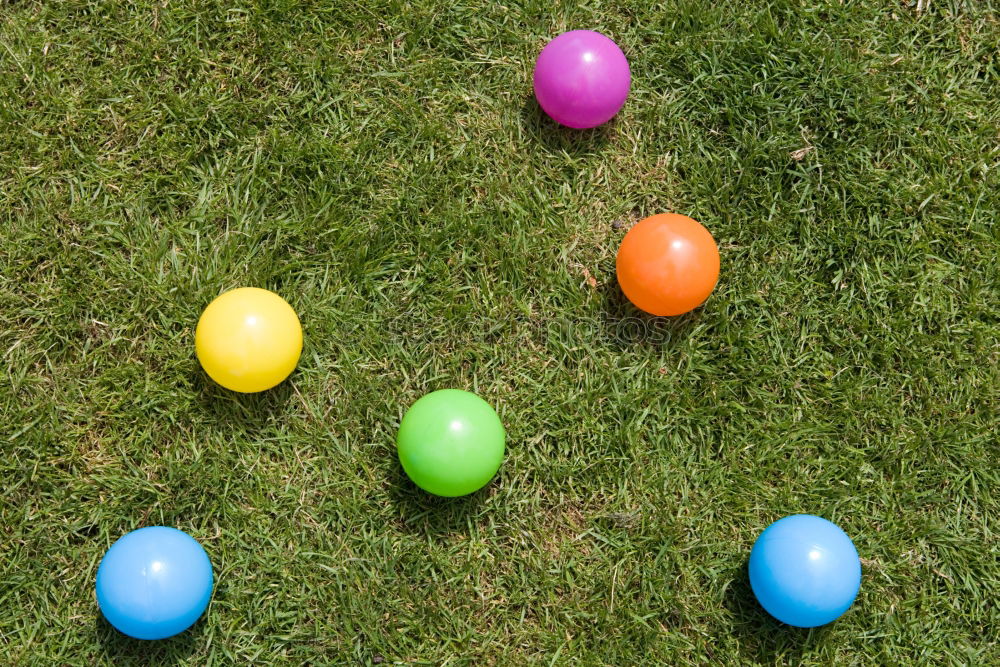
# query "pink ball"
(581, 79)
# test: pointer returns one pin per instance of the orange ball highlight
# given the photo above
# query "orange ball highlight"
(668, 264)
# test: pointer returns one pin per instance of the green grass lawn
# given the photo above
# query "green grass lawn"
(384, 167)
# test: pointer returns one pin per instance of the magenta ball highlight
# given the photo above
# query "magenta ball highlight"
(581, 79)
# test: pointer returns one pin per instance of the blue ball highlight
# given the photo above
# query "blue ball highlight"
(805, 570)
(154, 582)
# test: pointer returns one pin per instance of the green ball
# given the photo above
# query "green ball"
(450, 442)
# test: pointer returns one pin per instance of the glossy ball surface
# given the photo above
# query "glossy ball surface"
(154, 582)
(451, 442)
(668, 264)
(581, 79)
(804, 570)
(248, 339)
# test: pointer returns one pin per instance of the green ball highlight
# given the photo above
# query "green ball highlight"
(451, 443)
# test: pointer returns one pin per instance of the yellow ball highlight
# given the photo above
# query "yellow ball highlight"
(248, 339)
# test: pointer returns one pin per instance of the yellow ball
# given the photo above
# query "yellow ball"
(248, 339)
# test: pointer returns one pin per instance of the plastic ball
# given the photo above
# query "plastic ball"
(668, 264)
(154, 582)
(248, 339)
(805, 570)
(451, 442)
(581, 79)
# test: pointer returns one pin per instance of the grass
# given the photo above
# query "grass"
(383, 166)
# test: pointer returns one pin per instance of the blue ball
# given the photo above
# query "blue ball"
(804, 570)
(154, 582)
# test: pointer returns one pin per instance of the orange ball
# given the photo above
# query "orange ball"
(668, 264)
